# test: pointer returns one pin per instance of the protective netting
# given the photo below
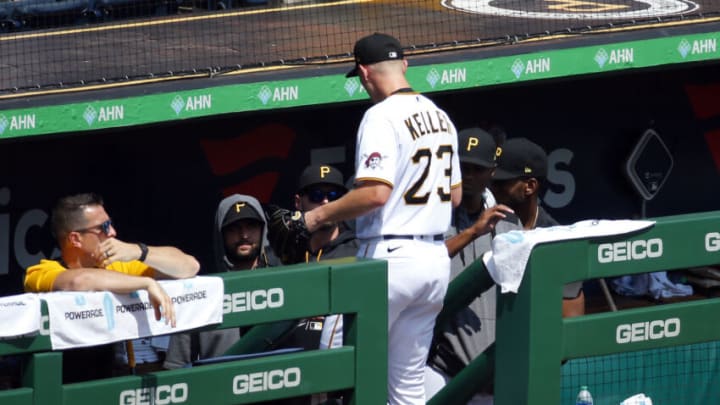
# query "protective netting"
(687, 375)
(51, 43)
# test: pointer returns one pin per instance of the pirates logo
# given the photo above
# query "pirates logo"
(373, 160)
(574, 9)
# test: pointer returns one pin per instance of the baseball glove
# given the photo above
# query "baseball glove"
(287, 234)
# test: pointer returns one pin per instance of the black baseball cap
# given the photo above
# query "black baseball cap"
(241, 210)
(321, 174)
(521, 158)
(478, 147)
(375, 48)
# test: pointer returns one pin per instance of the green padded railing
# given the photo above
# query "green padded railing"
(357, 288)
(532, 338)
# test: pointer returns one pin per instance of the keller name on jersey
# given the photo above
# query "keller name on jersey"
(427, 122)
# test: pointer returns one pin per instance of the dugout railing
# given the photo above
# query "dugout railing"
(533, 340)
(353, 287)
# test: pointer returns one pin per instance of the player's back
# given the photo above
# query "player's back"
(416, 145)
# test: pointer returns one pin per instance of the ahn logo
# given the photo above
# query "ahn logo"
(643, 331)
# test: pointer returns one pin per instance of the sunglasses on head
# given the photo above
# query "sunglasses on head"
(318, 196)
(104, 228)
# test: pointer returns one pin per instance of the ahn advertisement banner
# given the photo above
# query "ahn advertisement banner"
(162, 182)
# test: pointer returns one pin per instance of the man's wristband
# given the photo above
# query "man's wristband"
(143, 251)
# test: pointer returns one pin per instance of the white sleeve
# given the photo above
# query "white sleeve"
(377, 153)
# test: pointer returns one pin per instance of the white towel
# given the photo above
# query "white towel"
(19, 315)
(510, 252)
(79, 319)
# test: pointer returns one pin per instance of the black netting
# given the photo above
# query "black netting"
(70, 42)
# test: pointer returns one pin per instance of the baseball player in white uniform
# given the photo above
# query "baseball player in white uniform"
(407, 182)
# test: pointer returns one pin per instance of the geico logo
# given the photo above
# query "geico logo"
(162, 394)
(712, 242)
(653, 330)
(253, 300)
(266, 381)
(630, 250)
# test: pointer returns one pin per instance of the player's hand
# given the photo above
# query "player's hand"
(115, 250)
(311, 222)
(489, 218)
(162, 303)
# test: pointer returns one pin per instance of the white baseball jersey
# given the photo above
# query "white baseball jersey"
(409, 143)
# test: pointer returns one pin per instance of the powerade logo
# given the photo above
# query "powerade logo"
(630, 250)
(513, 237)
(159, 395)
(257, 300)
(266, 381)
(643, 331)
(712, 242)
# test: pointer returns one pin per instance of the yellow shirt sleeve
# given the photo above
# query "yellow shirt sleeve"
(41, 277)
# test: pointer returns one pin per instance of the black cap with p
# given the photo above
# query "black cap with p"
(521, 158)
(318, 174)
(241, 210)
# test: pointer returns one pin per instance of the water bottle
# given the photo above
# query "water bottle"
(584, 397)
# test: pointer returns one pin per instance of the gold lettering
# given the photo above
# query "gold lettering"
(472, 142)
(324, 170)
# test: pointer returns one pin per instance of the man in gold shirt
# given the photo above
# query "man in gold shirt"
(93, 259)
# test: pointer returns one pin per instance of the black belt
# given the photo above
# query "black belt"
(436, 237)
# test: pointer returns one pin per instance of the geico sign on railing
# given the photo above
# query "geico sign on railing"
(159, 395)
(266, 381)
(650, 330)
(712, 242)
(242, 384)
(255, 300)
(630, 250)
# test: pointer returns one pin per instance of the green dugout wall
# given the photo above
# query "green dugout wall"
(356, 288)
(668, 352)
(532, 338)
